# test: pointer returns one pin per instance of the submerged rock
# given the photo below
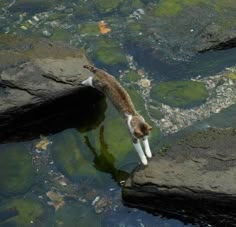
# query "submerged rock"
(194, 180)
(180, 93)
(28, 212)
(174, 106)
(110, 53)
(70, 155)
(16, 170)
(106, 6)
(188, 35)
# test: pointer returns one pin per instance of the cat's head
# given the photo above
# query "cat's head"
(140, 128)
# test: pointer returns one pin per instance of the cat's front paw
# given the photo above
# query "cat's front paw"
(144, 161)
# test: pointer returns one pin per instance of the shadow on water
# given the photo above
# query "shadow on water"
(84, 111)
(105, 161)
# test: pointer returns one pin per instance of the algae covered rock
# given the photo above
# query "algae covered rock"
(131, 76)
(182, 94)
(16, 170)
(26, 212)
(110, 53)
(173, 7)
(61, 34)
(89, 29)
(71, 155)
(107, 6)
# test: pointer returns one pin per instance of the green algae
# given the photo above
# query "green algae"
(180, 93)
(57, 16)
(71, 155)
(110, 53)
(89, 29)
(136, 27)
(224, 5)
(16, 170)
(61, 34)
(107, 6)
(173, 7)
(28, 211)
(131, 76)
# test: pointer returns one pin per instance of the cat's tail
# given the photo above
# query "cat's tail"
(90, 68)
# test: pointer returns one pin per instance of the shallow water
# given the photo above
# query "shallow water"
(85, 165)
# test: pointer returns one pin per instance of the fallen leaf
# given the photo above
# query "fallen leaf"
(103, 27)
(43, 144)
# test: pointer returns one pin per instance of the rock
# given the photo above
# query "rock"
(16, 170)
(49, 73)
(180, 93)
(106, 6)
(194, 180)
(61, 34)
(109, 52)
(69, 154)
(28, 212)
(188, 35)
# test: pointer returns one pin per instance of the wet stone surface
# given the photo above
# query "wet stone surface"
(196, 175)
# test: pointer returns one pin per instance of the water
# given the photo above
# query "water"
(83, 162)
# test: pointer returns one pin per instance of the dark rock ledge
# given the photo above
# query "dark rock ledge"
(45, 90)
(194, 181)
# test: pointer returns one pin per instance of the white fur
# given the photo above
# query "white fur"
(137, 145)
(147, 147)
(129, 118)
(88, 82)
(139, 150)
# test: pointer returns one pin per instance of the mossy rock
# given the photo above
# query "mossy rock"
(57, 16)
(89, 29)
(16, 170)
(107, 6)
(72, 156)
(61, 34)
(166, 8)
(182, 94)
(136, 27)
(131, 76)
(110, 53)
(27, 212)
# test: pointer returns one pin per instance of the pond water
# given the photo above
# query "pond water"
(73, 177)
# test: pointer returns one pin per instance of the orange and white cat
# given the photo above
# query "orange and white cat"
(119, 97)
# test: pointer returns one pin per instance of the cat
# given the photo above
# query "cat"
(112, 89)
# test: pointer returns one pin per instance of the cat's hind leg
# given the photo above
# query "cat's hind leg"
(88, 82)
(140, 152)
(147, 147)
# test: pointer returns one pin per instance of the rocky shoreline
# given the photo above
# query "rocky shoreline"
(44, 88)
(194, 180)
